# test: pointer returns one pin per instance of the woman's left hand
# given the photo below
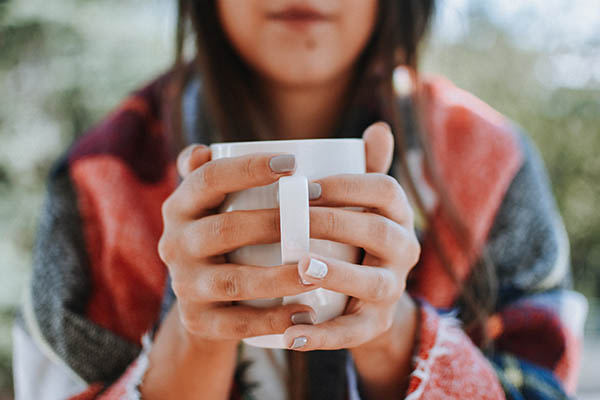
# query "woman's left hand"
(384, 230)
(376, 318)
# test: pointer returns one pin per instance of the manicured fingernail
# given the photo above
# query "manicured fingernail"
(282, 163)
(317, 269)
(302, 318)
(299, 342)
(314, 190)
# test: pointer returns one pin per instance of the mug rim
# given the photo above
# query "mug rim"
(288, 141)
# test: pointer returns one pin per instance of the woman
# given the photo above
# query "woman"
(492, 247)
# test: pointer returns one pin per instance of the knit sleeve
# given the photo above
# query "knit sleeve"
(59, 351)
(537, 326)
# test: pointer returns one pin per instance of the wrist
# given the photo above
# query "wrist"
(194, 345)
(182, 365)
(385, 363)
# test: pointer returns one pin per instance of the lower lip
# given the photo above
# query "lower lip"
(300, 23)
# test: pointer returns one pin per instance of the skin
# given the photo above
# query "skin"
(194, 351)
(305, 71)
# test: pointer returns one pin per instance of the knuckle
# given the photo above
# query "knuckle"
(207, 175)
(387, 182)
(180, 288)
(390, 188)
(189, 323)
(416, 251)
(349, 186)
(165, 249)
(413, 250)
(333, 222)
(241, 326)
(227, 285)
(272, 322)
(223, 227)
(382, 230)
(347, 338)
(248, 168)
(381, 288)
(273, 223)
(167, 207)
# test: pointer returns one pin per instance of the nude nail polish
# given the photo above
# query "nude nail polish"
(314, 190)
(283, 163)
(302, 318)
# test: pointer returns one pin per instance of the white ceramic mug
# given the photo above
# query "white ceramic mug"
(315, 159)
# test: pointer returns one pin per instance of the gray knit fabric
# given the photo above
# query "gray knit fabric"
(60, 290)
(527, 241)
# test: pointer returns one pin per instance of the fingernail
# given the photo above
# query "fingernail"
(302, 318)
(317, 269)
(299, 342)
(314, 190)
(283, 163)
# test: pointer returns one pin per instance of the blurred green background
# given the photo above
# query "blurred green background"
(65, 63)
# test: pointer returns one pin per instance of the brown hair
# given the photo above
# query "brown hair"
(229, 89)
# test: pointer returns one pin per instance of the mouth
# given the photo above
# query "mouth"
(299, 16)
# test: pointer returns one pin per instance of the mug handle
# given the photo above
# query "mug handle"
(294, 218)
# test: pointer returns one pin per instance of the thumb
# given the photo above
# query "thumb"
(192, 157)
(379, 147)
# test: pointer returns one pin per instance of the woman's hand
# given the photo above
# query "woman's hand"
(379, 322)
(195, 239)
(195, 348)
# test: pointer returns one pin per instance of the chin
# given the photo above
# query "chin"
(295, 71)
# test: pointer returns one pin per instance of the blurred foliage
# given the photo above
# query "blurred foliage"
(63, 67)
(6, 317)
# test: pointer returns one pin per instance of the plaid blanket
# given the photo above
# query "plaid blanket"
(98, 284)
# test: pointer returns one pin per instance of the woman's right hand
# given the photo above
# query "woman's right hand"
(196, 237)
(194, 351)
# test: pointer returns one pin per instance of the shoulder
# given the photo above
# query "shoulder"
(458, 121)
(474, 154)
(476, 149)
(133, 135)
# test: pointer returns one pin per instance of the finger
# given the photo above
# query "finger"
(343, 332)
(377, 191)
(205, 187)
(233, 282)
(237, 322)
(192, 157)
(221, 233)
(378, 235)
(379, 147)
(371, 284)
